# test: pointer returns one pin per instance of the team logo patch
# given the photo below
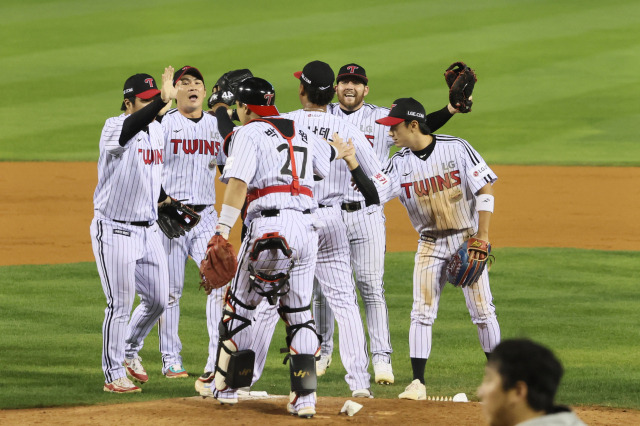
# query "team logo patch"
(122, 232)
(212, 164)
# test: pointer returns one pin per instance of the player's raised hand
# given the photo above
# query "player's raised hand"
(342, 148)
(168, 91)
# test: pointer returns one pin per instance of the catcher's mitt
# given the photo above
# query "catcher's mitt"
(225, 89)
(219, 265)
(462, 271)
(461, 79)
(175, 218)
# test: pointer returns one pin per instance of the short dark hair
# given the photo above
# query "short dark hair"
(131, 99)
(424, 129)
(318, 96)
(524, 360)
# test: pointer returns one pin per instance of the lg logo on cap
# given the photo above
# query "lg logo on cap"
(269, 97)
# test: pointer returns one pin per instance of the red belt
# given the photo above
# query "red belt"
(257, 193)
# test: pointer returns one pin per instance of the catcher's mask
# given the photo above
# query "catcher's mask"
(269, 273)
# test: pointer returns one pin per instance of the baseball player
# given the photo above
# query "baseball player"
(124, 236)
(271, 164)
(333, 271)
(446, 187)
(192, 151)
(365, 224)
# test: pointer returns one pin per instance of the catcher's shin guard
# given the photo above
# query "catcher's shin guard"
(303, 374)
(301, 366)
(234, 369)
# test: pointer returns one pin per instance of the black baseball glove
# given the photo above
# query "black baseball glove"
(225, 89)
(175, 218)
(461, 79)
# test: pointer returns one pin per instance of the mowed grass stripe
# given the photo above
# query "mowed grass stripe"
(579, 302)
(72, 64)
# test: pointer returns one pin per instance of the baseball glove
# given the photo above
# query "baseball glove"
(461, 79)
(175, 218)
(219, 265)
(225, 89)
(462, 271)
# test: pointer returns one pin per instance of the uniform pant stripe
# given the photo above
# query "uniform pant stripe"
(108, 316)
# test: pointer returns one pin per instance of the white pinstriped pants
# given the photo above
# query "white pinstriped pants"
(178, 250)
(429, 278)
(366, 234)
(130, 260)
(298, 230)
(333, 275)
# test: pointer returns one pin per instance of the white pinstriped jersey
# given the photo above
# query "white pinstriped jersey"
(378, 136)
(332, 190)
(192, 152)
(129, 176)
(259, 156)
(439, 192)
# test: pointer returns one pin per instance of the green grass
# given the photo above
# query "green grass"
(557, 83)
(581, 303)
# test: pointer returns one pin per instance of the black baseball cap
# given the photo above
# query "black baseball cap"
(141, 86)
(404, 109)
(187, 70)
(352, 70)
(259, 95)
(317, 74)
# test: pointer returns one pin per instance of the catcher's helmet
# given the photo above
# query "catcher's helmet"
(268, 271)
(259, 95)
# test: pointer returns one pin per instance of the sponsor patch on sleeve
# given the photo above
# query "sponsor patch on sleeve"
(480, 171)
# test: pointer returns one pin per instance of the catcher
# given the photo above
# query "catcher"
(446, 187)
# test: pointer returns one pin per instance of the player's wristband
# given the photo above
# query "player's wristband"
(228, 216)
(484, 202)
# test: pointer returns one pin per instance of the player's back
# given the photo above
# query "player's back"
(333, 188)
(259, 155)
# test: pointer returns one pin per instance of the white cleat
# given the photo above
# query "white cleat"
(383, 373)
(203, 380)
(362, 393)
(416, 391)
(226, 397)
(322, 364)
(304, 412)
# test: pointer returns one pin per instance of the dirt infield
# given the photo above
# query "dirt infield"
(197, 410)
(47, 208)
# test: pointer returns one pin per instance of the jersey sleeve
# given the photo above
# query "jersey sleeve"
(387, 180)
(242, 161)
(110, 137)
(478, 171)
